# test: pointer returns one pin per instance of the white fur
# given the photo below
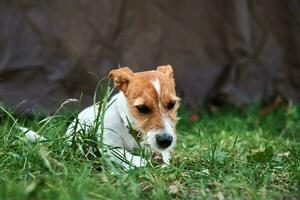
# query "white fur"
(115, 123)
(156, 85)
(166, 156)
(31, 135)
(168, 128)
(116, 133)
(151, 140)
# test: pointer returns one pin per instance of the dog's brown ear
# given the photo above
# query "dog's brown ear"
(121, 77)
(166, 69)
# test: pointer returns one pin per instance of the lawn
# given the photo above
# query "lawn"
(229, 154)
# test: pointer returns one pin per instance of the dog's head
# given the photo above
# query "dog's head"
(152, 103)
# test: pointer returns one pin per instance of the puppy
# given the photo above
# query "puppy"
(147, 102)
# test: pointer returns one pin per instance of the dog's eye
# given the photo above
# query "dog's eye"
(171, 105)
(143, 109)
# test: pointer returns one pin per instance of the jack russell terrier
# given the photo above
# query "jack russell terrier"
(148, 103)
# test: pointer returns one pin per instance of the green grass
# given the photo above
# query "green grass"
(231, 155)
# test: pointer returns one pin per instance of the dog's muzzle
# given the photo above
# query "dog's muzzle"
(164, 140)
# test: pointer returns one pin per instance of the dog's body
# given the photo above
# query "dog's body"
(148, 101)
(115, 131)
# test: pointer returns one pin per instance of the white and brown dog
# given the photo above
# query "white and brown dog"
(148, 101)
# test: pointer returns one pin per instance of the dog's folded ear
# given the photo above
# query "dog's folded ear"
(166, 69)
(121, 77)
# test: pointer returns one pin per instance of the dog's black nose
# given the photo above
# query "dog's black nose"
(164, 140)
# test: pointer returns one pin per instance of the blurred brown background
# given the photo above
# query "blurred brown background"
(222, 51)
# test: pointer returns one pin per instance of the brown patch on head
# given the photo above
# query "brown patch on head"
(147, 105)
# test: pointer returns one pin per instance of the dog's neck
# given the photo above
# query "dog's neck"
(126, 118)
(123, 111)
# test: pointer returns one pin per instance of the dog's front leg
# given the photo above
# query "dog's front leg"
(126, 159)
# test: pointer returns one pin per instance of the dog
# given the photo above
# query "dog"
(147, 102)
